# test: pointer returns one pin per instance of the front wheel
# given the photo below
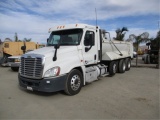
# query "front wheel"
(74, 82)
(15, 68)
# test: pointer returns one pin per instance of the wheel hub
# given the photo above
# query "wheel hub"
(124, 66)
(129, 65)
(75, 82)
(114, 68)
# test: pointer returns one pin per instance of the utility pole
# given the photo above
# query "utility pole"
(158, 25)
(158, 65)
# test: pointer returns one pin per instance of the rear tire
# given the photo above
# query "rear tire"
(122, 66)
(128, 64)
(147, 59)
(74, 82)
(112, 68)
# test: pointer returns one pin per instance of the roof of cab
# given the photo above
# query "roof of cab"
(71, 26)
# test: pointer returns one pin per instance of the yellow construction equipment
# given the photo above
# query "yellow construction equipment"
(14, 49)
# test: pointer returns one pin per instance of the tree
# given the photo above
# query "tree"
(139, 39)
(27, 40)
(7, 39)
(16, 37)
(120, 33)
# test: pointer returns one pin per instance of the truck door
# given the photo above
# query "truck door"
(90, 51)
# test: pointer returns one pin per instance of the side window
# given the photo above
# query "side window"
(6, 45)
(89, 39)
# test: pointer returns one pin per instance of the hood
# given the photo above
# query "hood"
(18, 56)
(49, 51)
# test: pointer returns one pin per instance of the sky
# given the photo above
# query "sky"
(33, 18)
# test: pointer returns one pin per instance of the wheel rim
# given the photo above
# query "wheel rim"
(114, 68)
(124, 66)
(129, 64)
(75, 82)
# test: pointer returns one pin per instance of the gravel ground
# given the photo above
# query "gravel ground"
(132, 95)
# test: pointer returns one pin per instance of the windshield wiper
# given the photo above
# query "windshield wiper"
(50, 44)
(65, 44)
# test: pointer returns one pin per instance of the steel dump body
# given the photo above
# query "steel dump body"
(110, 52)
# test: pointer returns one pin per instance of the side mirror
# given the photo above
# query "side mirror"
(23, 48)
(148, 44)
(47, 40)
(56, 46)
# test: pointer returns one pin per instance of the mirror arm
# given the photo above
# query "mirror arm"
(55, 53)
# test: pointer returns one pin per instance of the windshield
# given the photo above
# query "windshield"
(65, 37)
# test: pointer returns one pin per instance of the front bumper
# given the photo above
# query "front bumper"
(6, 64)
(14, 64)
(44, 85)
(11, 64)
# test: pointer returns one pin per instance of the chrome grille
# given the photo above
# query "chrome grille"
(31, 67)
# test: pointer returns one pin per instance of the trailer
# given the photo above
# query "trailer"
(151, 56)
(76, 54)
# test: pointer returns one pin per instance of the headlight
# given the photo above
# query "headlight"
(17, 60)
(52, 72)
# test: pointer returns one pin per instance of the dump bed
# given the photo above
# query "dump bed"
(113, 50)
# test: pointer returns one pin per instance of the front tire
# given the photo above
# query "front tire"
(74, 82)
(15, 68)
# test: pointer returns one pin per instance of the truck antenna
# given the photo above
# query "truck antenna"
(96, 16)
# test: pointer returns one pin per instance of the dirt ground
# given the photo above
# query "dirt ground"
(132, 95)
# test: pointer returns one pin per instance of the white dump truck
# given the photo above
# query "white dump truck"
(76, 54)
